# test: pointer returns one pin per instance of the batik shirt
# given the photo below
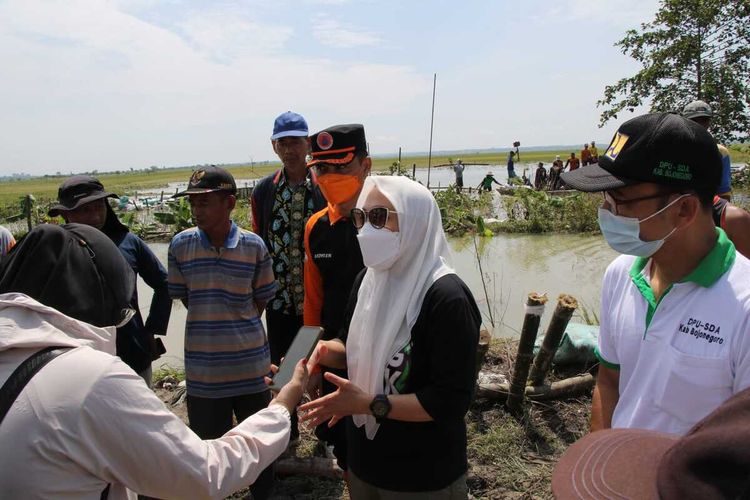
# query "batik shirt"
(292, 207)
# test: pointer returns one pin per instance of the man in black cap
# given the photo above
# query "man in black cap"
(282, 203)
(83, 200)
(224, 275)
(333, 258)
(674, 339)
(85, 425)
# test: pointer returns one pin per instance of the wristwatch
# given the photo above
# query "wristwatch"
(380, 407)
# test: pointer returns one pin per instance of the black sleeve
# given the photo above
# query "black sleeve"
(155, 276)
(450, 322)
(351, 304)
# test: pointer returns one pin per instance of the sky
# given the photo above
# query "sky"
(112, 85)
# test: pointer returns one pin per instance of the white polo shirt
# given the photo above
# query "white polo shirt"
(683, 356)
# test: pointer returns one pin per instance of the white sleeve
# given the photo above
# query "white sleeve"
(741, 357)
(126, 435)
(606, 351)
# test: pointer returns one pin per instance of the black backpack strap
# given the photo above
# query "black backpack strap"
(23, 373)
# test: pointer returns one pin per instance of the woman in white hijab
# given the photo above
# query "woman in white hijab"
(410, 345)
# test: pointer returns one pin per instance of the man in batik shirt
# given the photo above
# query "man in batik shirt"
(281, 204)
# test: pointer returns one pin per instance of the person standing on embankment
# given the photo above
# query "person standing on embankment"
(731, 218)
(82, 199)
(223, 274)
(511, 169)
(282, 203)
(674, 340)
(332, 254)
(458, 169)
(409, 344)
(85, 425)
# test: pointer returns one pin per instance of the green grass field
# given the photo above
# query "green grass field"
(45, 188)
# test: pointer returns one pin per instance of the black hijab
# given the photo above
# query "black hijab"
(73, 268)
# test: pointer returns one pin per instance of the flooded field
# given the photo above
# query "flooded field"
(514, 265)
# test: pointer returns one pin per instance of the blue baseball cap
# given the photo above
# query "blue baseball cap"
(289, 125)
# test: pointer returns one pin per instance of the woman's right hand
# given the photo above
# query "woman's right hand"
(291, 394)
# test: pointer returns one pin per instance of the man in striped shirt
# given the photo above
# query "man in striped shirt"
(224, 276)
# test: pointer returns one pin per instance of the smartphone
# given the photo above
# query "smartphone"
(302, 347)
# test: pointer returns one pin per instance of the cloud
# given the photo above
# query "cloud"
(227, 34)
(333, 34)
(89, 86)
(617, 15)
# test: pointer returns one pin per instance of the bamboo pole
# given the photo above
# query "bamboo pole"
(534, 309)
(566, 305)
(562, 389)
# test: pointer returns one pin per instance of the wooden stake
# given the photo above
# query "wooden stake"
(562, 389)
(311, 466)
(534, 309)
(566, 305)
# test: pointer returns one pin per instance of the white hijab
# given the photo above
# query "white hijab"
(389, 301)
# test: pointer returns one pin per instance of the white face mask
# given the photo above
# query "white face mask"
(379, 246)
(623, 234)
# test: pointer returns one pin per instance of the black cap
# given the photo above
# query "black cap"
(77, 191)
(208, 180)
(75, 269)
(661, 148)
(338, 144)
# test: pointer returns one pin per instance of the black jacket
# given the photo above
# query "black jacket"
(134, 338)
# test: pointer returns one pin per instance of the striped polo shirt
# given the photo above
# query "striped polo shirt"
(226, 349)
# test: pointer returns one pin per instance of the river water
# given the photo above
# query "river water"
(513, 265)
(442, 176)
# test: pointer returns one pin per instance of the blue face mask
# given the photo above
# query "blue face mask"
(623, 234)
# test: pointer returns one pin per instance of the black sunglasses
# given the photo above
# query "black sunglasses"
(378, 217)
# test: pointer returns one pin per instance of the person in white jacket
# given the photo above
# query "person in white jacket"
(86, 426)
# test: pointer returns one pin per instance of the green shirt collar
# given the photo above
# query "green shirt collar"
(709, 270)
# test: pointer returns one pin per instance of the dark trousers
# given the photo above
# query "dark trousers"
(282, 328)
(211, 418)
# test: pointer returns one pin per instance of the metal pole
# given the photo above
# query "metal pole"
(432, 122)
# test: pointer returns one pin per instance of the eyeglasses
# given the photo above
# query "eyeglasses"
(378, 217)
(614, 203)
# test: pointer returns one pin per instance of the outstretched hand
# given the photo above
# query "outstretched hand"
(290, 395)
(348, 399)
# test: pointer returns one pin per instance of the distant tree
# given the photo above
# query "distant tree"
(693, 49)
